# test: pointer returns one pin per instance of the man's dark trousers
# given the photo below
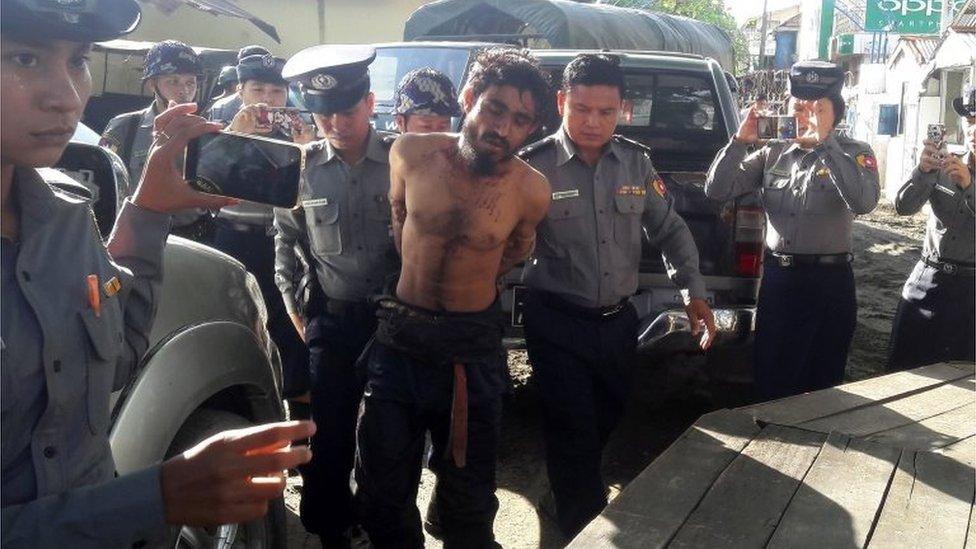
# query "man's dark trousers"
(935, 319)
(335, 340)
(805, 322)
(407, 395)
(582, 364)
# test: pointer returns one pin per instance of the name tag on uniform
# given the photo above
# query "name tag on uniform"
(561, 195)
(315, 202)
(949, 192)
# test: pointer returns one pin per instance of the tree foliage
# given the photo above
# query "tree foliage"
(708, 11)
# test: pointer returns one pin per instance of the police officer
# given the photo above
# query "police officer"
(76, 313)
(425, 102)
(172, 71)
(345, 217)
(580, 328)
(223, 110)
(245, 231)
(226, 85)
(811, 188)
(934, 321)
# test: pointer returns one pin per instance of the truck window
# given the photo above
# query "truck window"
(392, 63)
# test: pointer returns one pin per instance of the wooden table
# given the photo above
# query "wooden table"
(884, 462)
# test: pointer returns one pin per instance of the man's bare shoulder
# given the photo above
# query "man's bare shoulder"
(419, 146)
(535, 187)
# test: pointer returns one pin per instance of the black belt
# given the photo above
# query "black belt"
(950, 267)
(790, 260)
(554, 301)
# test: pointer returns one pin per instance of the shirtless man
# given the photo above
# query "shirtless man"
(464, 212)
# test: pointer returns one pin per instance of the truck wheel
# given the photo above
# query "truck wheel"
(266, 533)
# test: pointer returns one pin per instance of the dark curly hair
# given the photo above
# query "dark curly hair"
(512, 67)
(600, 69)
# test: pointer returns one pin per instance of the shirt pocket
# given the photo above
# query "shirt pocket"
(565, 226)
(775, 192)
(823, 198)
(103, 348)
(325, 233)
(627, 219)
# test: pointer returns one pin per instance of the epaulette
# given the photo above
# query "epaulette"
(532, 149)
(616, 138)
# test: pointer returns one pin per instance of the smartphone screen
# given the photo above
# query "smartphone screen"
(245, 166)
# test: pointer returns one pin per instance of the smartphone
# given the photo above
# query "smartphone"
(937, 134)
(776, 127)
(249, 167)
(282, 119)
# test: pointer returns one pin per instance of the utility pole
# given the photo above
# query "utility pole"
(762, 35)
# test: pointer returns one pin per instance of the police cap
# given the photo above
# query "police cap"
(253, 49)
(426, 91)
(813, 79)
(332, 77)
(171, 57)
(965, 105)
(263, 68)
(228, 76)
(72, 20)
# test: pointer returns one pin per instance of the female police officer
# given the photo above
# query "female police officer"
(811, 189)
(76, 313)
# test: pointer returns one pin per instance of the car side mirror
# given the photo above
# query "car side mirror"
(102, 178)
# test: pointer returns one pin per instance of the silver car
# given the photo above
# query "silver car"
(211, 365)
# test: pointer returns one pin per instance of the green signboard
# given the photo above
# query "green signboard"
(845, 44)
(903, 16)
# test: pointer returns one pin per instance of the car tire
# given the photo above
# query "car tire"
(265, 533)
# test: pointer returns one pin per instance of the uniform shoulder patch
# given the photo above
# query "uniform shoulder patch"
(658, 185)
(867, 161)
(627, 142)
(532, 149)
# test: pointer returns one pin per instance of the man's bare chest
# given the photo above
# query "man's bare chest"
(478, 218)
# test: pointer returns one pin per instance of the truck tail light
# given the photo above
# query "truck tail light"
(749, 248)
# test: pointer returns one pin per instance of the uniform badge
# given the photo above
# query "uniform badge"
(867, 161)
(112, 287)
(316, 202)
(632, 190)
(268, 61)
(109, 144)
(658, 185)
(560, 195)
(823, 172)
(324, 81)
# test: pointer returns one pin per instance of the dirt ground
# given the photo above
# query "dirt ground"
(670, 394)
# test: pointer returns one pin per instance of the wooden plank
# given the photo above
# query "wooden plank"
(928, 504)
(746, 502)
(810, 406)
(963, 451)
(934, 432)
(909, 409)
(656, 503)
(839, 497)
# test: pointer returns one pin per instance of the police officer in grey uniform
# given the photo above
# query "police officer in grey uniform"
(224, 109)
(345, 218)
(580, 328)
(811, 188)
(77, 312)
(935, 317)
(245, 231)
(172, 70)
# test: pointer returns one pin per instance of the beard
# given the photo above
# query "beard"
(481, 163)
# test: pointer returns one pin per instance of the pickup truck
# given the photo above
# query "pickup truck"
(210, 365)
(681, 106)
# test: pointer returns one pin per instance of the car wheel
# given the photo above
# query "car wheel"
(266, 533)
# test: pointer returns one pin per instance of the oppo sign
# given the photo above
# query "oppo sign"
(906, 16)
